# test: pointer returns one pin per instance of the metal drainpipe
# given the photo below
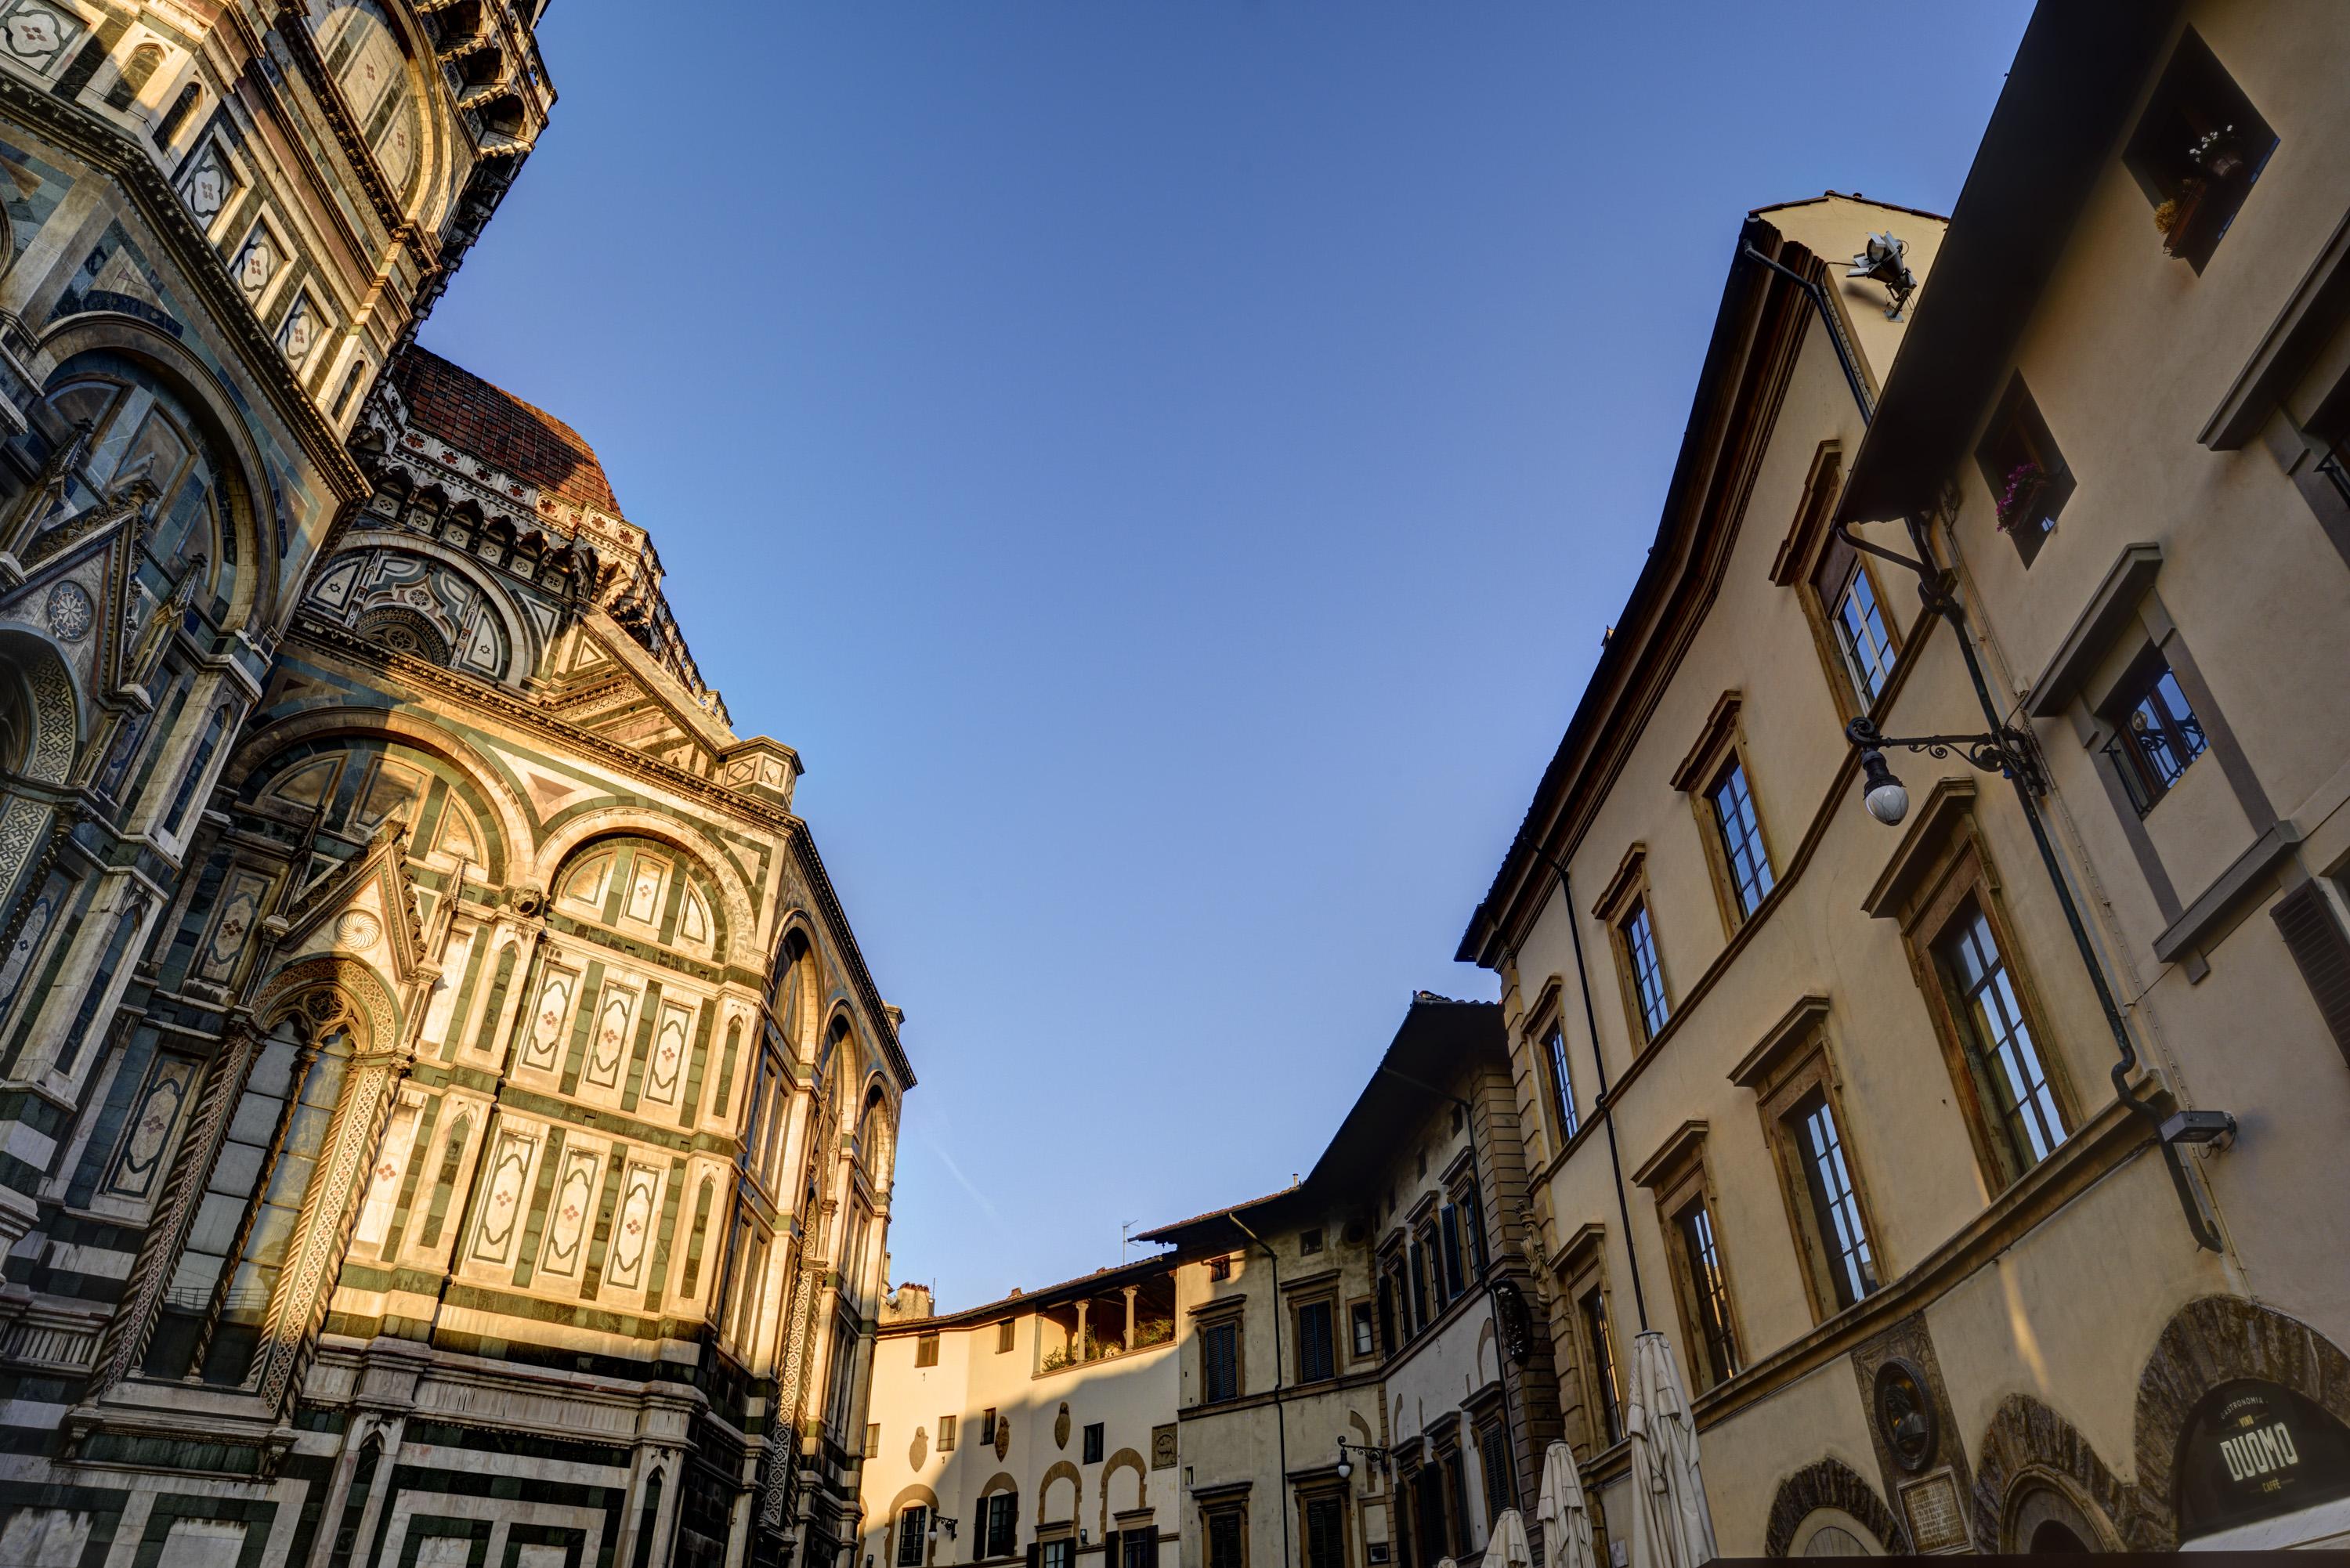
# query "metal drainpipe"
(1280, 1411)
(1941, 598)
(1606, 1107)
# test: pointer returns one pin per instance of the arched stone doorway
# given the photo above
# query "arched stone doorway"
(2225, 1370)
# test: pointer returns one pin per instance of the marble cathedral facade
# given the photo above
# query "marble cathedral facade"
(444, 1116)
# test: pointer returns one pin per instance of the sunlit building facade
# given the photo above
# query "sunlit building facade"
(1973, 1144)
(446, 1117)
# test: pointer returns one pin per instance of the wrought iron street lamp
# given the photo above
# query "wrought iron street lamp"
(1383, 1457)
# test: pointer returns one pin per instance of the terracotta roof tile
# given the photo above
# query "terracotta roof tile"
(494, 425)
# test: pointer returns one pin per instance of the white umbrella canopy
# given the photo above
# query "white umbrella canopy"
(1671, 1526)
(1564, 1518)
(1508, 1546)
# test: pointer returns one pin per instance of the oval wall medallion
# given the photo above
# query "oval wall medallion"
(1003, 1437)
(357, 929)
(1905, 1415)
(69, 611)
(1061, 1427)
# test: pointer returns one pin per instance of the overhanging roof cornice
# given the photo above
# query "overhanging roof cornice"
(2081, 68)
(1758, 326)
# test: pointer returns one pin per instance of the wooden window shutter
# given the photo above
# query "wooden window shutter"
(2321, 950)
(1110, 1549)
(1036, 1553)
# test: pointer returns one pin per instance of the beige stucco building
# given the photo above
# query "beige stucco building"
(1891, 1148)
(1038, 1428)
(1191, 1407)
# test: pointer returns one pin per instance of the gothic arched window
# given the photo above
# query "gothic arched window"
(221, 1288)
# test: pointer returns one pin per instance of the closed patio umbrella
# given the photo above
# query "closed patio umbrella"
(1671, 1525)
(1509, 1548)
(1564, 1518)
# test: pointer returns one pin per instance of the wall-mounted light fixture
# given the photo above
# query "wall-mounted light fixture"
(1372, 1451)
(1880, 261)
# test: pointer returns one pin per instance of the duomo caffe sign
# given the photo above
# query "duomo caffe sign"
(2254, 1450)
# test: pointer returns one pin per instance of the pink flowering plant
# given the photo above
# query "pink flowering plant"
(2024, 482)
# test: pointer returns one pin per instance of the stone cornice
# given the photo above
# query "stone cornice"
(112, 152)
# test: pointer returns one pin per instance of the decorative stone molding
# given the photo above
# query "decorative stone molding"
(2027, 1439)
(2208, 1342)
(1830, 1483)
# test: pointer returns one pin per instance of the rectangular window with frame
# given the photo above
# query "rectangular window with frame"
(1841, 1233)
(1138, 1548)
(2027, 476)
(1635, 945)
(1494, 1458)
(1325, 1529)
(914, 1527)
(1561, 1081)
(1365, 1330)
(2197, 150)
(1059, 1553)
(947, 1425)
(1004, 1331)
(872, 1448)
(1317, 1349)
(1220, 1363)
(1858, 624)
(1708, 1293)
(1227, 1533)
(926, 1350)
(987, 1427)
(1093, 1436)
(1456, 1496)
(1998, 1038)
(1456, 1277)
(1599, 1363)
(1220, 1268)
(1744, 857)
(2156, 733)
(1001, 1516)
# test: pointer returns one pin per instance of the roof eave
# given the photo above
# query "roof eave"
(2078, 73)
(1483, 942)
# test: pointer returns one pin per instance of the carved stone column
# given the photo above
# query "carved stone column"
(323, 1229)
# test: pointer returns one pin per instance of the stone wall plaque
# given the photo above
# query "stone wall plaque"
(1931, 1506)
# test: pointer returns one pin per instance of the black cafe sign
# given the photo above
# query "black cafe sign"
(2253, 1450)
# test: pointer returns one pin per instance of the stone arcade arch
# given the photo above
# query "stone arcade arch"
(2027, 1448)
(2209, 1343)
(1830, 1484)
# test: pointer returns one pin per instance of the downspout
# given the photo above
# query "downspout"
(1606, 1106)
(1935, 589)
(1280, 1411)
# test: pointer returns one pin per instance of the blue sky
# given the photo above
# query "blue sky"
(1166, 468)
